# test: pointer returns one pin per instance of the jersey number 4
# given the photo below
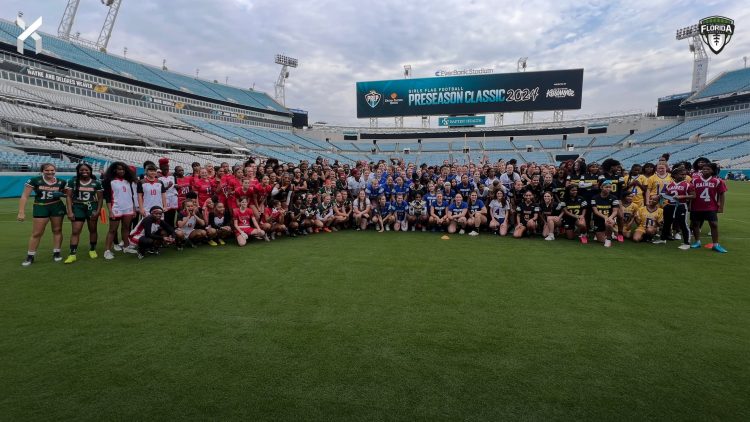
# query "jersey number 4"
(705, 195)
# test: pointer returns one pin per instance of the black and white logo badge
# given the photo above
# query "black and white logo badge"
(373, 98)
(716, 31)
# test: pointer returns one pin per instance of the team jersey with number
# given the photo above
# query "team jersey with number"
(629, 212)
(151, 190)
(324, 211)
(418, 208)
(84, 193)
(633, 187)
(429, 198)
(497, 209)
(402, 189)
(647, 218)
(527, 211)
(183, 188)
(605, 205)
(46, 193)
(575, 206)
(476, 207)
(439, 207)
(244, 218)
(658, 185)
(707, 193)
(171, 190)
(400, 209)
(123, 197)
(617, 183)
(680, 188)
(457, 209)
(374, 192)
(466, 189)
(204, 188)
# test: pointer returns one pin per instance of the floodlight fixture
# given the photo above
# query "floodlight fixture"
(687, 32)
(286, 61)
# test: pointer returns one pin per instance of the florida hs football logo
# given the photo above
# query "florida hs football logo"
(716, 32)
(372, 98)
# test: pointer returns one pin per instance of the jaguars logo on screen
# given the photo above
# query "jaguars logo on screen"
(393, 99)
(373, 98)
(716, 31)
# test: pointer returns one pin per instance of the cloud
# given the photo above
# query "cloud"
(627, 48)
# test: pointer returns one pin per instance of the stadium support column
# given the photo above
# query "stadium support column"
(109, 23)
(373, 122)
(66, 23)
(425, 122)
(499, 119)
(557, 116)
(528, 117)
(399, 121)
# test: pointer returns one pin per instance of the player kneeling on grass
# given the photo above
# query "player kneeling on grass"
(309, 210)
(527, 215)
(362, 210)
(275, 215)
(457, 211)
(220, 223)
(629, 211)
(190, 224)
(324, 217)
(399, 209)
(246, 224)
(418, 216)
(550, 211)
(477, 215)
(708, 203)
(152, 232)
(649, 219)
(384, 214)
(340, 213)
(499, 213)
(574, 209)
(85, 197)
(439, 218)
(605, 207)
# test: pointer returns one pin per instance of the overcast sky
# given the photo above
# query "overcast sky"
(627, 48)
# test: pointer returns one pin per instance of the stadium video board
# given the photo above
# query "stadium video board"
(493, 93)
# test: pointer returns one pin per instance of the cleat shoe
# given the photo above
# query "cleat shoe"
(696, 244)
(387, 228)
(108, 255)
(719, 248)
(584, 239)
(473, 233)
(29, 260)
(70, 259)
(424, 229)
(550, 237)
(140, 255)
(607, 243)
(56, 257)
(212, 243)
(222, 242)
(129, 249)
(93, 255)
(413, 228)
(461, 231)
(709, 246)
(684, 247)
(677, 236)
(620, 238)
(118, 247)
(659, 242)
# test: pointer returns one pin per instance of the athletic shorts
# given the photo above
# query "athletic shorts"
(82, 211)
(55, 209)
(698, 217)
(598, 224)
(569, 223)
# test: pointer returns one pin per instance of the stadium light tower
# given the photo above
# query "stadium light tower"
(286, 63)
(700, 58)
(69, 16)
(528, 116)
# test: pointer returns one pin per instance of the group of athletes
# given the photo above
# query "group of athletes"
(265, 199)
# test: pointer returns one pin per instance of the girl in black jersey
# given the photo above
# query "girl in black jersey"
(527, 215)
(550, 215)
(574, 208)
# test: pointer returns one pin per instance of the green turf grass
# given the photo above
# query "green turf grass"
(367, 326)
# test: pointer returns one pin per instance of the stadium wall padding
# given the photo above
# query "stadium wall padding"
(11, 184)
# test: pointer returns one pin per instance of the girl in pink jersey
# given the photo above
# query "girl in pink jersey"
(708, 203)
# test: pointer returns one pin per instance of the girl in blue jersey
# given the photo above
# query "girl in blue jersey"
(457, 212)
(382, 216)
(438, 213)
(400, 210)
(477, 215)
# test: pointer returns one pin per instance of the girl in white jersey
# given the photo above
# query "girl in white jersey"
(120, 192)
(170, 184)
(151, 192)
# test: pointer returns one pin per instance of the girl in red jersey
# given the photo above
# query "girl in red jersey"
(246, 224)
(708, 203)
(183, 184)
(246, 190)
(678, 193)
(203, 186)
(229, 184)
(275, 216)
(262, 191)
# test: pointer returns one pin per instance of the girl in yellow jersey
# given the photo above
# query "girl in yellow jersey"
(657, 184)
(629, 212)
(637, 184)
(649, 218)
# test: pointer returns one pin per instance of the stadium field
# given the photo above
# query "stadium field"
(367, 326)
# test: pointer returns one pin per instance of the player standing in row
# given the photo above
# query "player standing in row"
(85, 197)
(48, 207)
(120, 187)
(708, 203)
